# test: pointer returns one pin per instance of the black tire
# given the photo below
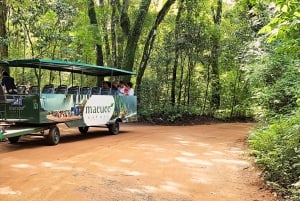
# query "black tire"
(114, 128)
(84, 129)
(13, 140)
(53, 136)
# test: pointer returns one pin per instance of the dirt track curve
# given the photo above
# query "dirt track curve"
(142, 163)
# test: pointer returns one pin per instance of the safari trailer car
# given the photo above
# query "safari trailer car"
(39, 110)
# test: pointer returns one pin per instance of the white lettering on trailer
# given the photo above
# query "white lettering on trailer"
(98, 110)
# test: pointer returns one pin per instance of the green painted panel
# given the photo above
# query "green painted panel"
(56, 108)
(23, 108)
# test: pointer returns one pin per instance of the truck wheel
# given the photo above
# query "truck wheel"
(83, 130)
(114, 128)
(13, 140)
(53, 136)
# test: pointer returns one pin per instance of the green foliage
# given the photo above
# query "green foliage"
(270, 64)
(284, 26)
(40, 28)
(156, 107)
(275, 81)
(277, 150)
(169, 114)
(280, 97)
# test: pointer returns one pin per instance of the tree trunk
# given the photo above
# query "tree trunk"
(124, 20)
(174, 71)
(114, 21)
(98, 47)
(180, 88)
(106, 38)
(234, 93)
(149, 42)
(206, 96)
(133, 38)
(215, 54)
(191, 66)
(3, 34)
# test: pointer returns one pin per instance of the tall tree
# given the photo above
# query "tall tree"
(134, 35)
(149, 42)
(3, 35)
(215, 54)
(114, 21)
(105, 29)
(98, 46)
(177, 48)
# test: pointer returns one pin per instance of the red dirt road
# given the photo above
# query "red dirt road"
(142, 163)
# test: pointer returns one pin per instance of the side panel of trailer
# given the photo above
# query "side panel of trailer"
(76, 110)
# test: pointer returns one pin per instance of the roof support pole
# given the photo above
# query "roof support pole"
(40, 75)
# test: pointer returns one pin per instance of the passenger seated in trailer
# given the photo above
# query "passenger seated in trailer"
(122, 90)
(130, 89)
(114, 88)
(106, 87)
(9, 83)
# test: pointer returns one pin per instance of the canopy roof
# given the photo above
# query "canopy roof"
(66, 66)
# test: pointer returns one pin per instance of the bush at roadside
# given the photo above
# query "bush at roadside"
(277, 150)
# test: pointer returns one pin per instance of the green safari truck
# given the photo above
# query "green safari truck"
(38, 110)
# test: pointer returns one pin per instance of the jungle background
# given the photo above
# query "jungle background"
(196, 61)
